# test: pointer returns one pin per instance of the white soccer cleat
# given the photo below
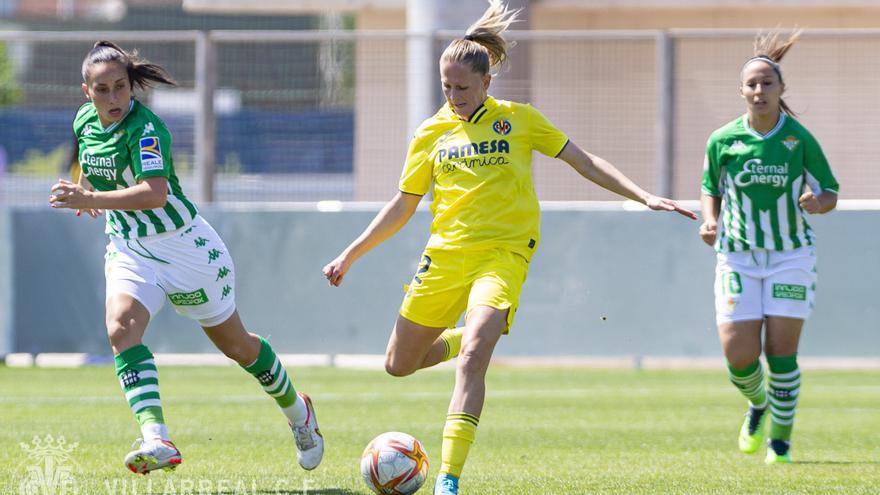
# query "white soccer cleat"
(309, 441)
(152, 455)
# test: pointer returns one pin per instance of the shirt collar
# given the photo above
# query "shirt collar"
(769, 134)
(477, 116)
(114, 125)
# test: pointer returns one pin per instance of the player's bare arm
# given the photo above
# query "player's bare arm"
(606, 175)
(393, 216)
(710, 207)
(150, 193)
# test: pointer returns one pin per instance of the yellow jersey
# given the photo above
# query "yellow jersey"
(483, 190)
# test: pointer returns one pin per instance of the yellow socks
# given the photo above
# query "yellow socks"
(452, 339)
(458, 435)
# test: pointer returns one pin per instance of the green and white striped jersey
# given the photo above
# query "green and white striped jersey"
(134, 148)
(761, 178)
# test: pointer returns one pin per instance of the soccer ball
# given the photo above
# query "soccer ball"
(394, 463)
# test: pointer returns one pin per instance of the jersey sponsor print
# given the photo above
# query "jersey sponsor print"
(135, 148)
(151, 154)
(761, 178)
(479, 171)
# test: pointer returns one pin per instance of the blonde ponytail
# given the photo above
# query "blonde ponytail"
(483, 46)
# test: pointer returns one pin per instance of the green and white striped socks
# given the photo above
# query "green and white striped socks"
(139, 379)
(750, 382)
(785, 385)
(136, 370)
(269, 371)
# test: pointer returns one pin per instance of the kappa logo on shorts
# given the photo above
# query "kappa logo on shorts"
(790, 291)
(193, 298)
(151, 154)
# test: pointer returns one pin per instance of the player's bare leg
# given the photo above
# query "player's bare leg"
(483, 329)
(409, 346)
(127, 320)
(444, 348)
(256, 356)
(741, 342)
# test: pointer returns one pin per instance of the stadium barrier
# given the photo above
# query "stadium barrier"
(608, 280)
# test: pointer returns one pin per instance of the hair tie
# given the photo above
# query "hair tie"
(468, 37)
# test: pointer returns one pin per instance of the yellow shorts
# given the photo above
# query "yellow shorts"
(449, 281)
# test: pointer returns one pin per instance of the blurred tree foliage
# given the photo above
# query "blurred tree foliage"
(10, 93)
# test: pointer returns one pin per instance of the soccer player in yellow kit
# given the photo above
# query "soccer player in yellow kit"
(477, 152)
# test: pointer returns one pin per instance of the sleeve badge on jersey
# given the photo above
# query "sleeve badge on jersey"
(151, 154)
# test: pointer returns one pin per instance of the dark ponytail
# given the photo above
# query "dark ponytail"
(140, 72)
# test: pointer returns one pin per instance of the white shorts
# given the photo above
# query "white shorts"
(752, 285)
(190, 266)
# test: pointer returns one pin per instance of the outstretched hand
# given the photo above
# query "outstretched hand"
(336, 270)
(663, 204)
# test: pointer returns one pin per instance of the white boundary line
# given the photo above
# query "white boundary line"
(377, 361)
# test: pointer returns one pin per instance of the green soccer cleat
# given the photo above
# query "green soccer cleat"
(778, 452)
(751, 435)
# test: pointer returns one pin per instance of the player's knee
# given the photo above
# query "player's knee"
(741, 361)
(395, 367)
(473, 360)
(121, 328)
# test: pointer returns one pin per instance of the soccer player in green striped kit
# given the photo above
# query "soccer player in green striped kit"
(160, 248)
(763, 172)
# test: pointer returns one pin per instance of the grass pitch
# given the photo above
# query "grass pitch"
(543, 431)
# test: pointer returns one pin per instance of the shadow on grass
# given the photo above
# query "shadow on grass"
(836, 463)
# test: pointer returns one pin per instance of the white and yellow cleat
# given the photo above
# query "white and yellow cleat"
(151, 455)
(308, 438)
